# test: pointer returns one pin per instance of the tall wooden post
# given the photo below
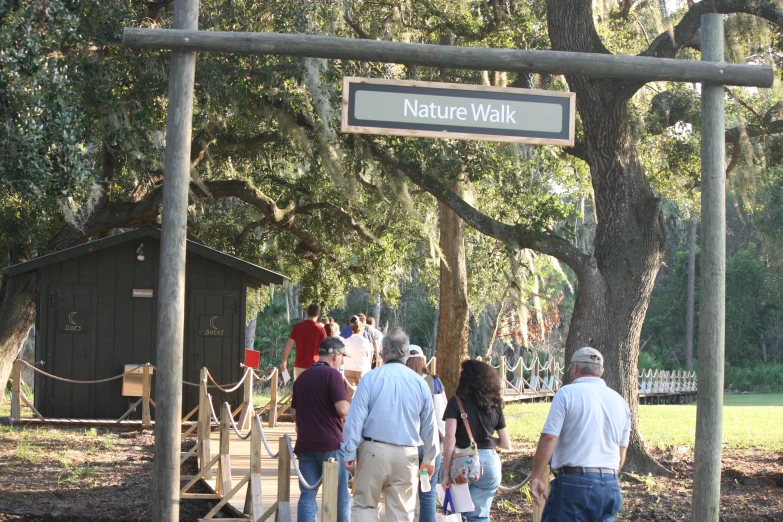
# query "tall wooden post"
(146, 385)
(283, 482)
(171, 308)
(272, 422)
(16, 391)
(330, 491)
(709, 412)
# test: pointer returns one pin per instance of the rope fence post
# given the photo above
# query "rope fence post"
(329, 492)
(283, 513)
(16, 391)
(538, 511)
(146, 420)
(204, 424)
(253, 505)
(273, 399)
(502, 372)
(247, 406)
(224, 464)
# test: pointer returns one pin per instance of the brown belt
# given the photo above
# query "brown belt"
(571, 469)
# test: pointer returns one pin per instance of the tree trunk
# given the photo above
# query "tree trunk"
(453, 329)
(630, 239)
(17, 316)
(250, 333)
(375, 311)
(689, 317)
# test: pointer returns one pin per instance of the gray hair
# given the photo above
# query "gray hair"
(395, 344)
(589, 368)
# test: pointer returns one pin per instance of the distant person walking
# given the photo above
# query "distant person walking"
(307, 335)
(390, 416)
(361, 353)
(472, 416)
(586, 435)
(319, 406)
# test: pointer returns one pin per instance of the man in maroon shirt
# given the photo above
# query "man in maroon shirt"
(319, 406)
(307, 335)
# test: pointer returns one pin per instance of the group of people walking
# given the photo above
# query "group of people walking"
(398, 432)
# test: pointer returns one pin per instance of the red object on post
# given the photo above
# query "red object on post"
(252, 358)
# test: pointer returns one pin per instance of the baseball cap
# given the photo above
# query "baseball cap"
(588, 355)
(331, 346)
(416, 351)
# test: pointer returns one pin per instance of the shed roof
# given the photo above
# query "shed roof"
(258, 275)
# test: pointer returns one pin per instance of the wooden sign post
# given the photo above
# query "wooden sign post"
(713, 72)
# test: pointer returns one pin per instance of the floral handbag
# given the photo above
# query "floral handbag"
(465, 463)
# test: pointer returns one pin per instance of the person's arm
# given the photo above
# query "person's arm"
(623, 450)
(428, 431)
(502, 441)
(342, 408)
(354, 423)
(546, 446)
(449, 441)
(293, 414)
(286, 352)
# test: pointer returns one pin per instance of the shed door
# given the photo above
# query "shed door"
(71, 351)
(214, 342)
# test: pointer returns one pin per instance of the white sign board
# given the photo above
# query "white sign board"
(458, 111)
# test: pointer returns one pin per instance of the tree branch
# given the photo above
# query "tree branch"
(340, 211)
(671, 42)
(514, 236)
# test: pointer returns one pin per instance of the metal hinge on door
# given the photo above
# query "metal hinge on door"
(236, 307)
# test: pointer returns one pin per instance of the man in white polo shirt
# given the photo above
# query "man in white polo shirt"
(586, 436)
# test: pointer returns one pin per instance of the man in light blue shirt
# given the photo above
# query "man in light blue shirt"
(391, 415)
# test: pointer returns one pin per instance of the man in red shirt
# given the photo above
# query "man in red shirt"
(307, 335)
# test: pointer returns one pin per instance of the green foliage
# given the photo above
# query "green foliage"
(757, 377)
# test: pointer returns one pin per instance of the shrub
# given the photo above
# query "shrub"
(756, 377)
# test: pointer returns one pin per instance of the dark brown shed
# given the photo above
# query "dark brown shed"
(97, 312)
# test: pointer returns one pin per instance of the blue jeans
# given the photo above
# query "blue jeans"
(583, 497)
(483, 490)
(311, 466)
(427, 500)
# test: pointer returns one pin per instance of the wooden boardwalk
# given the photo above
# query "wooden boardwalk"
(240, 465)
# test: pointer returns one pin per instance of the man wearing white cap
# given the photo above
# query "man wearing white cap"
(586, 436)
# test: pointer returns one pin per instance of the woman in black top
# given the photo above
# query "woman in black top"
(479, 390)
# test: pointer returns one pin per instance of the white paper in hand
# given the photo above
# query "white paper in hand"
(286, 377)
(460, 496)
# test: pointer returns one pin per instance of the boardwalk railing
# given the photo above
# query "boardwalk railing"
(225, 490)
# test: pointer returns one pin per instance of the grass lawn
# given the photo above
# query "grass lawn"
(754, 420)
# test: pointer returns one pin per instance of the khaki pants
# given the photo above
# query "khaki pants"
(298, 372)
(388, 469)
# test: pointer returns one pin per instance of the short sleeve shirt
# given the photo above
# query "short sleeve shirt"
(316, 391)
(591, 421)
(307, 335)
(482, 424)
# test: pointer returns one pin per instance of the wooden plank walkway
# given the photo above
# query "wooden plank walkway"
(240, 465)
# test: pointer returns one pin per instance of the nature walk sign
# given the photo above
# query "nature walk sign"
(712, 72)
(458, 111)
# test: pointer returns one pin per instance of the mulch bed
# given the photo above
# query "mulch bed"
(751, 487)
(85, 478)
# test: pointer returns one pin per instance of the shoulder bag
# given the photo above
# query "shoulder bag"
(465, 463)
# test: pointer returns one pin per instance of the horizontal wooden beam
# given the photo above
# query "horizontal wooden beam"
(634, 68)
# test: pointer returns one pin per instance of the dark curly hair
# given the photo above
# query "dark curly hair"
(479, 383)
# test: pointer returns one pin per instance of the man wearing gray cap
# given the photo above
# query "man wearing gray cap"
(586, 436)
